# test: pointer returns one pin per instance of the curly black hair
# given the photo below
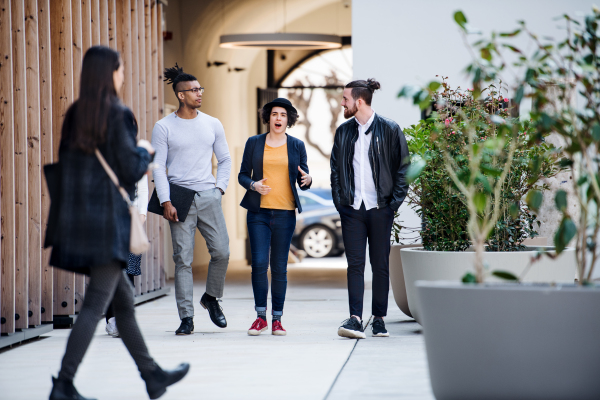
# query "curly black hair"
(265, 115)
(175, 75)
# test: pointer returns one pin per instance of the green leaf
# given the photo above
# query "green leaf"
(565, 163)
(513, 48)
(460, 19)
(469, 278)
(534, 199)
(596, 132)
(508, 276)
(480, 200)
(565, 232)
(485, 54)
(561, 200)
(414, 170)
(510, 34)
(434, 85)
(514, 210)
(519, 95)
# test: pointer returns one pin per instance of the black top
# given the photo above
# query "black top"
(92, 219)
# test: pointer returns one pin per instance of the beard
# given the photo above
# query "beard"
(350, 112)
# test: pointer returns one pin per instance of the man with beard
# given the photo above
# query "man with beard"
(185, 141)
(369, 160)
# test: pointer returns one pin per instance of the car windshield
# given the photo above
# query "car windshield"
(322, 193)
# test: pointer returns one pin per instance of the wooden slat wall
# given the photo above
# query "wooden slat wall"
(61, 27)
(7, 190)
(42, 44)
(46, 147)
(20, 164)
(81, 18)
(33, 163)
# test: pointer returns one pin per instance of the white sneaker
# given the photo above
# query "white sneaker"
(111, 327)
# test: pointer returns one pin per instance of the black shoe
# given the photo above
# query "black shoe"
(64, 390)
(186, 327)
(352, 328)
(214, 310)
(158, 380)
(378, 327)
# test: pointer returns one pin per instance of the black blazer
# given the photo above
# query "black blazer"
(252, 168)
(92, 219)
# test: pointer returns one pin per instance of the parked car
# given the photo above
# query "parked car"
(318, 228)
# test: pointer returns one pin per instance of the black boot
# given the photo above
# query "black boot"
(158, 380)
(64, 390)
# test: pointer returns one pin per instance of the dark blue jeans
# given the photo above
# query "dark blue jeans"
(270, 230)
(358, 226)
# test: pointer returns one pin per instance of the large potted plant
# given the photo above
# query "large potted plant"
(525, 341)
(465, 132)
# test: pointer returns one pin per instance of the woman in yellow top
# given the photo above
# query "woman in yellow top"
(272, 165)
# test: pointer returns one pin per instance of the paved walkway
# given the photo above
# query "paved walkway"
(311, 362)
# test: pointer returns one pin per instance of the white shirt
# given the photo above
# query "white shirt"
(141, 199)
(364, 186)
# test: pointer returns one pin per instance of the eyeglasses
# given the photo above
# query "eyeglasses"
(194, 90)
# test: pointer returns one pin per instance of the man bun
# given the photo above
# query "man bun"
(373, 84)
(364, 89)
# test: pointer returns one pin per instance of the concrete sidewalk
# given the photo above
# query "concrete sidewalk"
(311, 362)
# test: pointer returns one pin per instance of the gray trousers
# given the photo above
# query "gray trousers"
(205, 214)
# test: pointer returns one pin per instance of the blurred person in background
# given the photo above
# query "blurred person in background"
(92, 221)
(135, 260)
(271, 166)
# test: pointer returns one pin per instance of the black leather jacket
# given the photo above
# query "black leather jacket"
(388, 156)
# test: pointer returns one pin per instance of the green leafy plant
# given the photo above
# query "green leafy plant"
(444, 180)
(553, 75)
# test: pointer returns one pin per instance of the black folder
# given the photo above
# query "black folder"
(181, 199)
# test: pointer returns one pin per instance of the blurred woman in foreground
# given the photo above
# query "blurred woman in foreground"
(92, 221)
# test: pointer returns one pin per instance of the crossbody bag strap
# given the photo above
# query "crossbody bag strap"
(113, 177)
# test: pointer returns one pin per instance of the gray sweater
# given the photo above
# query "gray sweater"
(184, 148)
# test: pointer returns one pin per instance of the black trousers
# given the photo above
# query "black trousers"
(106, 282)
(110, 312)
(358, 227)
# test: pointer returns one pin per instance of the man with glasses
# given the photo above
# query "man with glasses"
(185, 141)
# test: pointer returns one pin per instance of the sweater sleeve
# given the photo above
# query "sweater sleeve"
(161, 146)
(221, 150)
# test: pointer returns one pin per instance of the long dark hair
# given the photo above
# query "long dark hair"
(88, 116)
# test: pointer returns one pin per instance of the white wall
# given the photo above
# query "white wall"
(409, 42)
(402, 42)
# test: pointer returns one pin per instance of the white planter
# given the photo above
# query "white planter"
(419, 264)
(397, 276)
(511, 341)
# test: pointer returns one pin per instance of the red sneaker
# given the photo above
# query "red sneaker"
(259, 326)
(278, 329)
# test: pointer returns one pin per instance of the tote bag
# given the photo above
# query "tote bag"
(138, 241)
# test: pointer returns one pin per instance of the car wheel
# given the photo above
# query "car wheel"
(318, 241)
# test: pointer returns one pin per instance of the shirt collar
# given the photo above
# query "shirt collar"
(368, 124)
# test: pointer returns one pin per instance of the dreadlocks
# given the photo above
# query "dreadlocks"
(175, 75)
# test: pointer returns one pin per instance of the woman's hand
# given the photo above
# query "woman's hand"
(306, 178)
(142, 218)
(144, 144)
(261, 188)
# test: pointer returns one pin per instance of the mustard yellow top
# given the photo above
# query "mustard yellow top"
(275, 169)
